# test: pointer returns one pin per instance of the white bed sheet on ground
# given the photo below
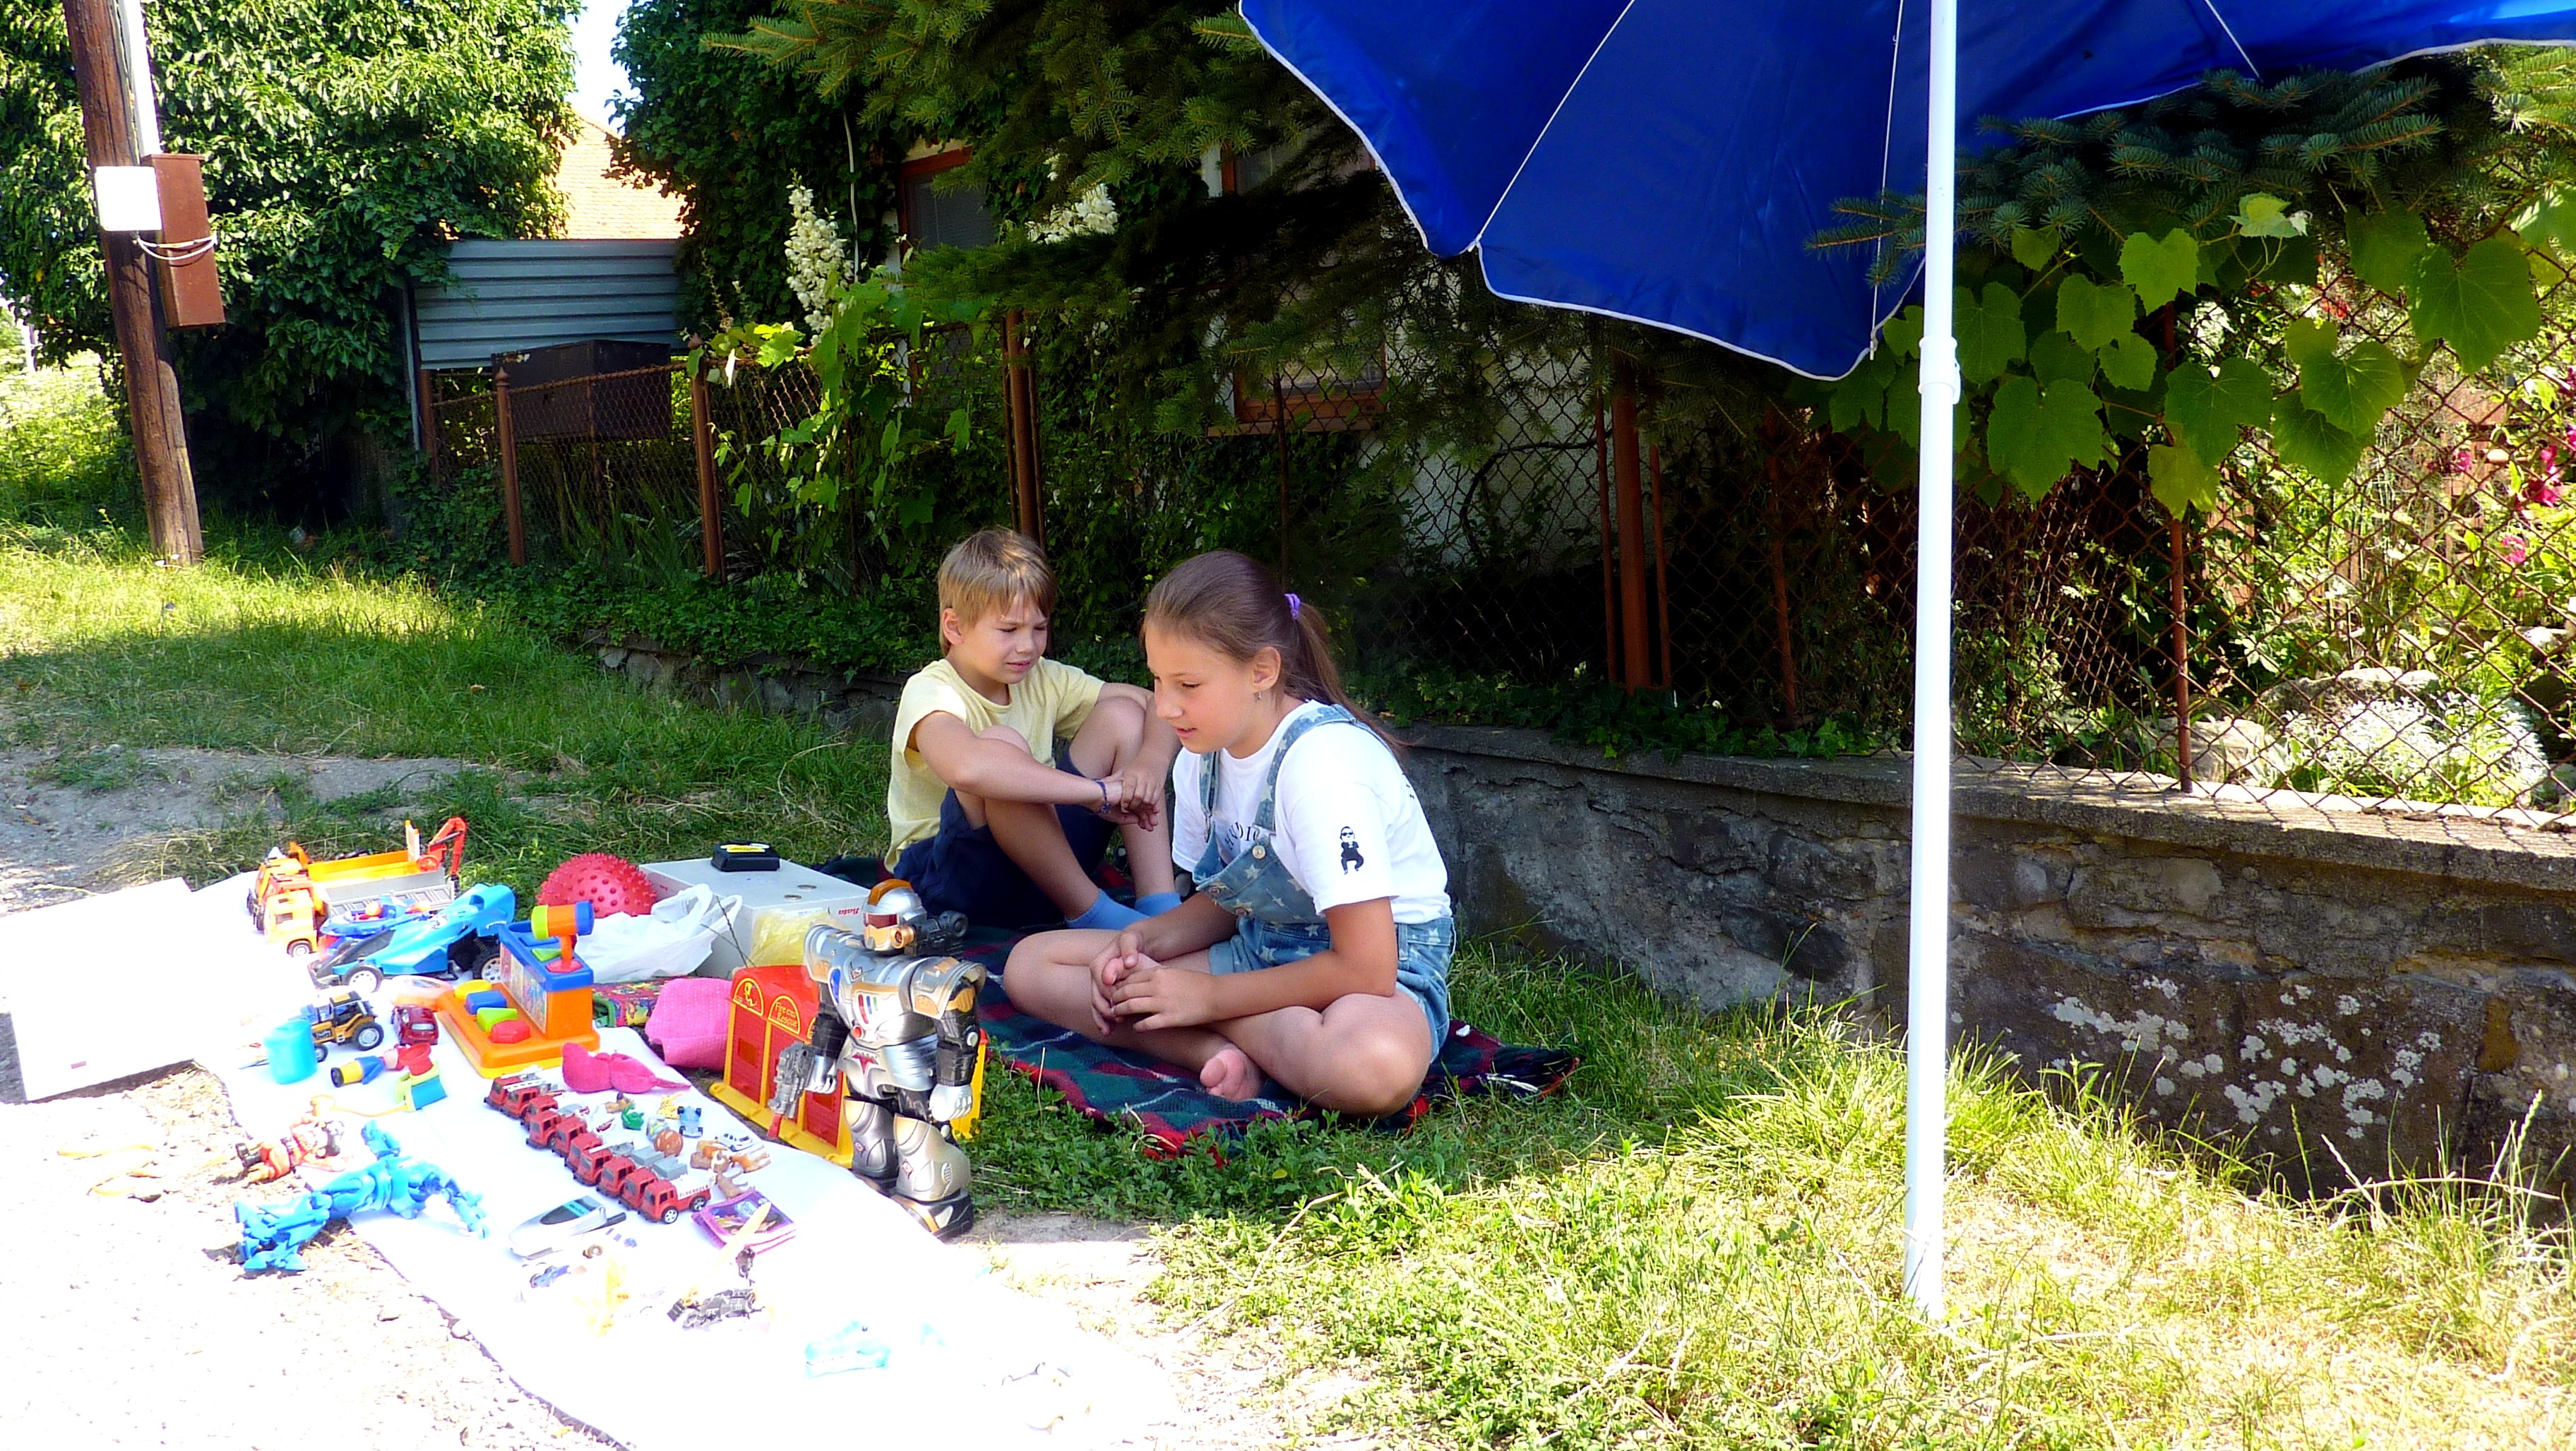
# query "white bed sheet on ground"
(996, 1369)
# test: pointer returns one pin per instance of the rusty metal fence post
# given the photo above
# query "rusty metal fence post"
(1020, 404)
(1609, 540)
(428, 440)
(710, 507)
(1663, 566)
(1279, 426)
(1636, 666)
(2181, 556)
(506, 442)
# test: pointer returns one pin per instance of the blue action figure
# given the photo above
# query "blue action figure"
(271, 1235)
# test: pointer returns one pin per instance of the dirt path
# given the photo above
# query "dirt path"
(130, 1323)
(70, 820)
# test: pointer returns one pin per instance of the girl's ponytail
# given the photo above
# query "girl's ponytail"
(1234, 603)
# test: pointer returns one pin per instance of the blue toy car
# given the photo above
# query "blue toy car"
(459, 938)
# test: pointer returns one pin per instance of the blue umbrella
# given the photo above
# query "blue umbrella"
(1667, 161)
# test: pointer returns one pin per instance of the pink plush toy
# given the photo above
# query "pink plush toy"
(688, 1024)
(588, 1072)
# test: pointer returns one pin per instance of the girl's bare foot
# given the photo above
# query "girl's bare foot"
(1230, 1073)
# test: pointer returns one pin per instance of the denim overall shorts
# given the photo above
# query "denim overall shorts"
(1279, 923)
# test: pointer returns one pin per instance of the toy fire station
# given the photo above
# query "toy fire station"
(773, 1008)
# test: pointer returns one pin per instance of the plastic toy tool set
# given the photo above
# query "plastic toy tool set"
(534, 1004)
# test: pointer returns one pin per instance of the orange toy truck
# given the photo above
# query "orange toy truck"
(297, 900)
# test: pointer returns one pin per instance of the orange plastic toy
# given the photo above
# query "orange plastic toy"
(547, 991)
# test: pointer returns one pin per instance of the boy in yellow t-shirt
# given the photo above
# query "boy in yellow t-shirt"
(1011, 768)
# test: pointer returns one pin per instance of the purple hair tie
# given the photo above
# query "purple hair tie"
(1294, 604)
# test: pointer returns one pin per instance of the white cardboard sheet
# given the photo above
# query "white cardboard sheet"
(126, 982)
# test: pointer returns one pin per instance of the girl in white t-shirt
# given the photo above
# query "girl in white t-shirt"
(1316, 949)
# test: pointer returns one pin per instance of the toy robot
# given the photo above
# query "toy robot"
(271, 1234)
(896, 1032)
(271, 1159)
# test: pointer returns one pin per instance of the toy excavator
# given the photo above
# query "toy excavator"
(298, 901)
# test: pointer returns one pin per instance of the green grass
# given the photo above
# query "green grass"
(100, 647)
(1693, 1244)
(63, 458)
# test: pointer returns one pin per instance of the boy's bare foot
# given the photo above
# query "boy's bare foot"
(1231, 1073)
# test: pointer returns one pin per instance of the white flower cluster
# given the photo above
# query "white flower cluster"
(816, 258)
(1092, 214)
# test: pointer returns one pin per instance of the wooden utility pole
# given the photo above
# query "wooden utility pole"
(109, 96)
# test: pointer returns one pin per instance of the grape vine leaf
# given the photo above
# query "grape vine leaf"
(1991, 336)
(2181, 481)
(2036, 247)
(2035, 436)
(2261, 214)
(2308, 338)
(1861, 396)
(2160, 269)
(2550, 219)
(2386, 246)
(2129, 362)
(2055, 356)
(2305, 440)
(2095, 314)
(2203, 413)
(1904, 332)
(2130, 412)
(2352, 390)
(2480, 306)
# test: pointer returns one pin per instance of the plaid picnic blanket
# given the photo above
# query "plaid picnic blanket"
(1166, 1105)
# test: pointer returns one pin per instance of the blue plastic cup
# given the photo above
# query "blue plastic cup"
(291, 1054)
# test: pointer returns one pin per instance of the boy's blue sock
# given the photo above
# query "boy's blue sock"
(1107, 914)
(1155, 904)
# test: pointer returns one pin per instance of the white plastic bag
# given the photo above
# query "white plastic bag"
(669, 941)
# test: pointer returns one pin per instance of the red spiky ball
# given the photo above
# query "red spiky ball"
(608, 883)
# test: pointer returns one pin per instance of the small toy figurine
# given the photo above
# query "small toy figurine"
(265, 1160)
(896, 1032)
(271, 1234)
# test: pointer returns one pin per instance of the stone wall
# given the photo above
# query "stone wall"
(853, 701)
(2336, 987)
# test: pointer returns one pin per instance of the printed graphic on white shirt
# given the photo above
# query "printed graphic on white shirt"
(1347, 824)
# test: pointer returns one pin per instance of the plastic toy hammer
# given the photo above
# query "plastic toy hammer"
(563, 924)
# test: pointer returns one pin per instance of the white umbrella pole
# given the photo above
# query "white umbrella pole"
(1927, 992)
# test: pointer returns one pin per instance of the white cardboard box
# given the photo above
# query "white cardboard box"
(777, 907)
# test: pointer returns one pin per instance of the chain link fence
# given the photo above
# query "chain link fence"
(2398, 641)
